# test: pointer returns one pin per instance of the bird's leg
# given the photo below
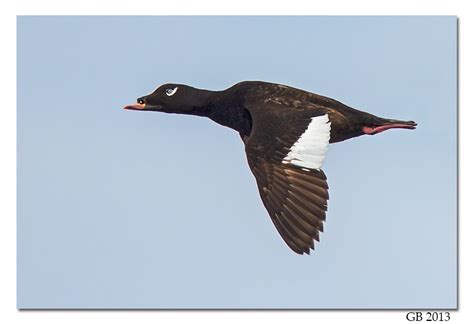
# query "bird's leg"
(371, 130)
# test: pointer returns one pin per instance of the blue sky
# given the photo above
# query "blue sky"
(145, 210)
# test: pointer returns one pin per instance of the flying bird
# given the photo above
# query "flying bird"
(286, 132)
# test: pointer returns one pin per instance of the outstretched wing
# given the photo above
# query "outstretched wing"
(285, 151)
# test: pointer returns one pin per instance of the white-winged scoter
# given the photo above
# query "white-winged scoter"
(286, 132)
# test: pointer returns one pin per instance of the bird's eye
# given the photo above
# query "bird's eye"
(141, 101)
(170, 92)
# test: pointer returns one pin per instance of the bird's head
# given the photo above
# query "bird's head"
(172, 98)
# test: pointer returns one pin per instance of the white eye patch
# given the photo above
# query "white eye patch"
(170, 92)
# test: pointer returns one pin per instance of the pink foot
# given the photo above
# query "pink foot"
(379, 129)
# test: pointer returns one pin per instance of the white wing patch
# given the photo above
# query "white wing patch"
(310, 149)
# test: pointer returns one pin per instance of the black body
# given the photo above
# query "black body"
(270, 119)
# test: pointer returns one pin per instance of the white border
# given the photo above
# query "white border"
(8, 312)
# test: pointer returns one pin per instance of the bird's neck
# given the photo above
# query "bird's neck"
(202, 103)
(230, 112)
(223, 108)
